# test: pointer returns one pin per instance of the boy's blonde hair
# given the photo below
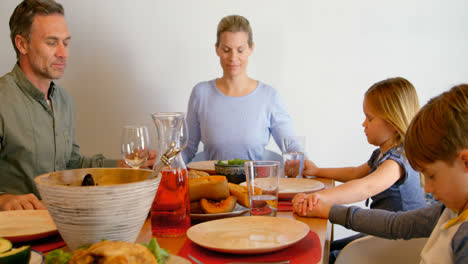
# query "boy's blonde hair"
(440, 130)
(234, 23)
(394, 100)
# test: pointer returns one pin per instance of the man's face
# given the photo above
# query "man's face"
(47, 49)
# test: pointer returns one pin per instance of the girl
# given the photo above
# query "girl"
(437, 145)
(387, 177)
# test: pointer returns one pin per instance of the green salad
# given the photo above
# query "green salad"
(232, 162)
(58, 256)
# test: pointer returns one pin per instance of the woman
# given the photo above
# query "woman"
(234, 115)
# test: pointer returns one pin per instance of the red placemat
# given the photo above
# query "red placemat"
(48, 244)
(285, 206)
(307, 250)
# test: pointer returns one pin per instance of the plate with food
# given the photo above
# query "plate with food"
(212, 197)
(23, 254)
(108, 251)
(205, 165)
(248, 234)
(26, 225)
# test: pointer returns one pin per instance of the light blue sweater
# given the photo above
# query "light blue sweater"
(235, 127)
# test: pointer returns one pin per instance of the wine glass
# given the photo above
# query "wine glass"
(135, 145)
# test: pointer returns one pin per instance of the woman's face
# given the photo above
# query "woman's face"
(234, 52)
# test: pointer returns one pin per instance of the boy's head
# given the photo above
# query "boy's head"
(437, 145)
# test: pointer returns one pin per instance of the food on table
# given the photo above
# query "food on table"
(211, 187)
(192, 174)
(5, 245)
(242, 193)
(113, 252)
(217, 207)
(195, 208)
(232, 162)
(88, 180)
(20, 255)
(107, 252)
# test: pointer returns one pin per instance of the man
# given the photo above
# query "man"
(37, 117)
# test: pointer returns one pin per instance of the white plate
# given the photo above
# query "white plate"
(248, 234)
(36, 257)
(237, 211)
(26, 225)
(288, 187)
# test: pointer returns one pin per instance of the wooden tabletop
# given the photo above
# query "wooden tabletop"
(322, 227)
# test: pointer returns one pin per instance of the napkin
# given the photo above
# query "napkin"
(285, 206)
(307, 250)
(48, 244)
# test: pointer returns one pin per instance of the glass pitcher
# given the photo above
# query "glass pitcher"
(170, 213)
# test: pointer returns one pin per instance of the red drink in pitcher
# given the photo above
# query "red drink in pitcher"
(170, 213)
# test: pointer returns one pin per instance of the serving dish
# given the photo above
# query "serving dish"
(237, 211)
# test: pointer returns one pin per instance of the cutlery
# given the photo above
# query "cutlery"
(244, 262)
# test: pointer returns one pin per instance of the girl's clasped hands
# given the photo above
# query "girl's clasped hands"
(311, 205)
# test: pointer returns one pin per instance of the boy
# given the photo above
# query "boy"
(437, 145)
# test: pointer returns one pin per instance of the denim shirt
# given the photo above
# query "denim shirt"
(405, 194)
(35, 138)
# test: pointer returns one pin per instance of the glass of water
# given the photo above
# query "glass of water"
(135, 145)
(263, 186)
(293, 156)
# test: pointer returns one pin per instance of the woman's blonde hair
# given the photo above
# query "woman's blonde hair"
(234, 23)
(440, 130)
(394, 100)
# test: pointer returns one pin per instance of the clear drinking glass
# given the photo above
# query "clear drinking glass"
(293, 156)
(135, 145)
(263, 186)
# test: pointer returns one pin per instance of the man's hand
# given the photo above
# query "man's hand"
(20, 202)
(147, 165)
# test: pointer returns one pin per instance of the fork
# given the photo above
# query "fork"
(243, 262)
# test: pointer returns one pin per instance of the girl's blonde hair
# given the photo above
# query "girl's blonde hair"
(394, 100)
(440, 130)
(234, 23)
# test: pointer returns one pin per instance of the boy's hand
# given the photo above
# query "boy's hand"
(20, 202)
(312, 205)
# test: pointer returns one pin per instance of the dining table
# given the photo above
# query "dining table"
(322, 227)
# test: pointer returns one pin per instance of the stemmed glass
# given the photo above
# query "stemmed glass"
(135, 145)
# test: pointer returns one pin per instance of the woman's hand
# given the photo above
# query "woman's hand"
(20, 202)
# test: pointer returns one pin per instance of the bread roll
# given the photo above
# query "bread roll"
(210, 187)
(192, 174)
(242, 193)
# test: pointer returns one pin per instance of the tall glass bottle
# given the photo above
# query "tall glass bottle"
(170, 213)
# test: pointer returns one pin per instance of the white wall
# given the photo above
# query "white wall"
(131, 58)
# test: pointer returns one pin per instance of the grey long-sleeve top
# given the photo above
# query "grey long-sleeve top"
(34, 137)
(400, 225)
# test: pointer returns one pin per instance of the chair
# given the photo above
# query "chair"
(371, 249)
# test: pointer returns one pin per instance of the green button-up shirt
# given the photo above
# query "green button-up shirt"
(35, 139)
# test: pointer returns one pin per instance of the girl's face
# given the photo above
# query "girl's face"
(378, 131)
(234, 52)
(448, 182)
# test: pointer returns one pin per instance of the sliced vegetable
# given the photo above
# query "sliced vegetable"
(16, 256)
(5, 245)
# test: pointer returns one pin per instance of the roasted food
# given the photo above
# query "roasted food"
(195, 208)
(217, 207)
(113, 252)
(192, 174)
(242, 193)
(213, 187)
